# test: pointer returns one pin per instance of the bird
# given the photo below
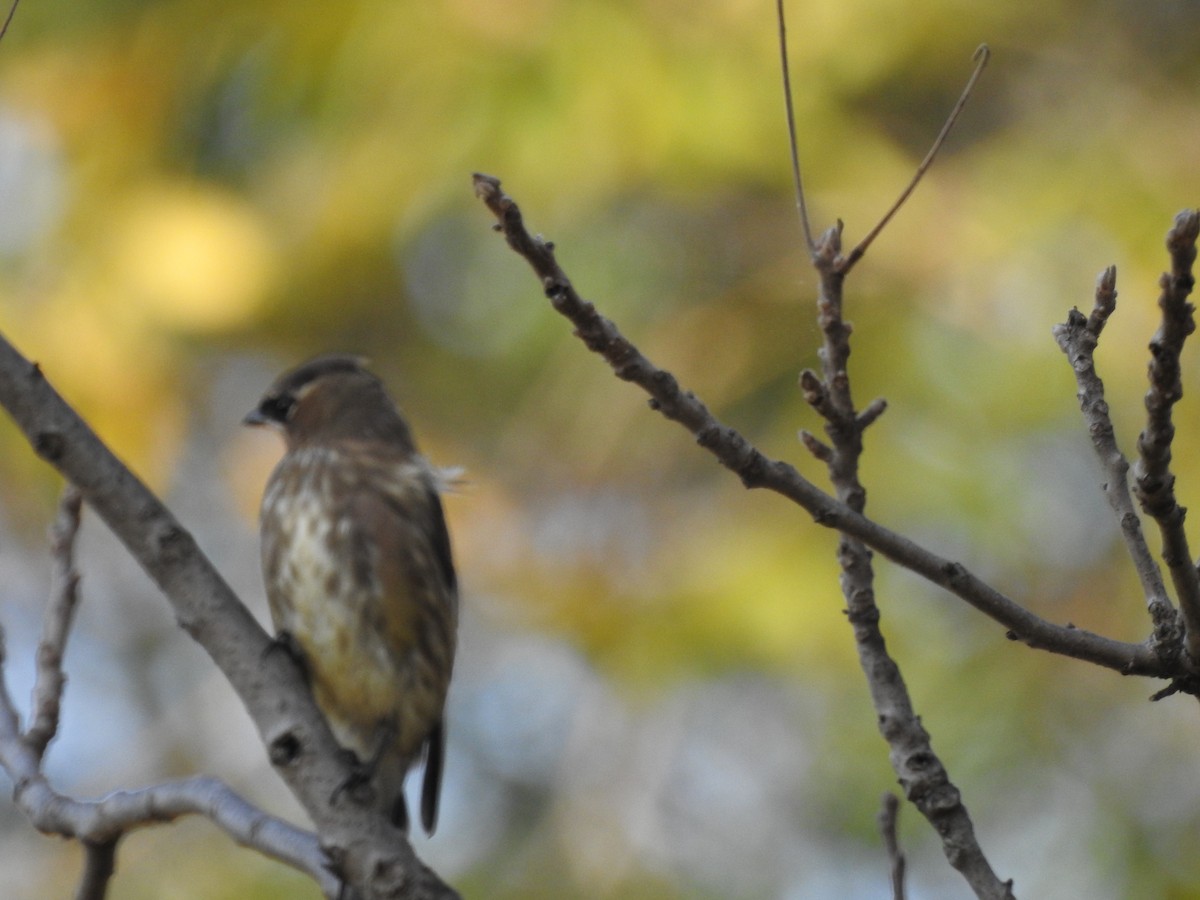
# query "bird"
(359, 575)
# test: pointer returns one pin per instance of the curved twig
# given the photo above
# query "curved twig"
(981, 56)
(801, 206)
(12, 11)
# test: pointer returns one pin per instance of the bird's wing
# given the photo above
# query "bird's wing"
(406, 546)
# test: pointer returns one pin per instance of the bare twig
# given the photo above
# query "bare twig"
(100, 822)
(12, 11)
(981, 57)
(1105, 303)
(889, 815)
(921, 772)
(364, 847)
(99, 865)
(814, 445)
(1154, 483)
(1077, 337)
(791, 127)
(759, 471)
(874, 410)
(60, 611)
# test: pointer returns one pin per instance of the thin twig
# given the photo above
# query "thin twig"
(1104, 303)
(12, 11)
(105, 820)
(981, 57)
(98, 822)
(1078, 337)
(791, 127)
(1154, 483)
(756, 470)
(889, 815)
(60, 612)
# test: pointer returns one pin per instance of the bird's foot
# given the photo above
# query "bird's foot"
(357, 785)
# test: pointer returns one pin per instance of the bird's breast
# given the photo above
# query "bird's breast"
(322, 590)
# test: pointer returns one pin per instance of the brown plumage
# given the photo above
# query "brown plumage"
(359, 577)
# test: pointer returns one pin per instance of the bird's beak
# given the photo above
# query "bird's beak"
(255, 417)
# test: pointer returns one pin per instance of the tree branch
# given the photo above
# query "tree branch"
(1154, 483)
(99, 824)
(924, 778)
(1078, 337)
(363, 848)
(756, 470)
(60, 611)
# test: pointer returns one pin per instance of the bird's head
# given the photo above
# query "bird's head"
(327, 399)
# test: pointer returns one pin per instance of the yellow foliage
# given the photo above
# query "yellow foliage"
(190, 258)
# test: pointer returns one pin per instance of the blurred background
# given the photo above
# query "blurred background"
(657, 695)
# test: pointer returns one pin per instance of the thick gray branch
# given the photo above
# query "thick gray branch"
(371, 854)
